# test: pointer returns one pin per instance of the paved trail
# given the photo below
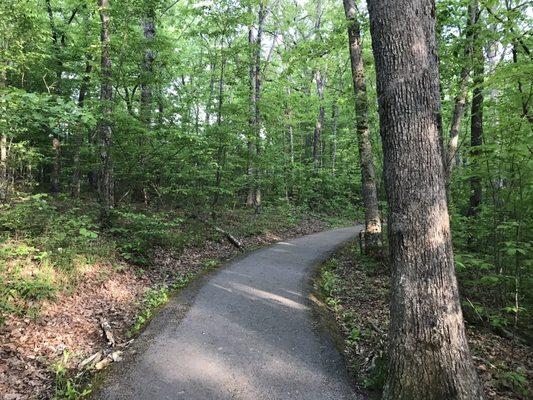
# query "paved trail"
(248, 334)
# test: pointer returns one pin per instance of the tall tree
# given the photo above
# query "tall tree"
(148, 25)
(462, 93)
(106, 179)
(254, 191)
(4, 179)
(368, 173)
(428, 354)
(84, 88)
(476, 120)
(317, 133)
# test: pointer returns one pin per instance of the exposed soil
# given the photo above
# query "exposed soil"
(358, 296)
(68, 329)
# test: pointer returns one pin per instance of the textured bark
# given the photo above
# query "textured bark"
(460, 98)
(105, 181)
(368, 173)
(476, 124)
(428, 355)
(319, 120)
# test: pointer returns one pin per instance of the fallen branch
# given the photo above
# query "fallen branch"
(232, 239)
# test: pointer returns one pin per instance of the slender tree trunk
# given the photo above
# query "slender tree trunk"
(76, 186)
(209, 105)
(254, 193)
(221, 150)
(428, 355)
(476, 123)
(460, 98)
(320, 119)
(54, 178)
(290, 139)
(524, 98)
(56, 144)
(4, 177)
(368, 172)
(335, 117)
(148, 67)
(56, 48)
(106, 181)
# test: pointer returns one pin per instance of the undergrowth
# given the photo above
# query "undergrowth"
(356, 290)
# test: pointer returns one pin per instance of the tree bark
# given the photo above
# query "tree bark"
(460, 98)
(428, 355)
(368, 172)
(476, 122)
(106, 182)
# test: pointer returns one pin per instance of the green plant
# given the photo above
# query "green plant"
(138, 233)
(152, 299)
(67, 387)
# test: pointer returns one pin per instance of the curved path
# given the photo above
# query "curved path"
(249, 333)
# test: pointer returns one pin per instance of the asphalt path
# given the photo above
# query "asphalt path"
(247, 332)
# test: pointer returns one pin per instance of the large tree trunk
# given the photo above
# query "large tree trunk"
(368, 172)
(428, 355)
(460, 98)
(476, 123)
(106, 182)
(319, 79)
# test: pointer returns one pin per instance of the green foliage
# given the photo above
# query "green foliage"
(378, 375)
(153, 299)
(42, 243)
(137, 233)
(517, 380)
(68, 387)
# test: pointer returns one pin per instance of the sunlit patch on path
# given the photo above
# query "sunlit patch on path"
(250, 334)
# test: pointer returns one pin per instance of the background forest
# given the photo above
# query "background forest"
(125, 125)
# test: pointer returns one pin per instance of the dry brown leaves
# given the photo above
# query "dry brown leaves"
(71, 323)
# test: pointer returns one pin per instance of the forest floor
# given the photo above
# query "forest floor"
(58, 311)
(356, 290)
